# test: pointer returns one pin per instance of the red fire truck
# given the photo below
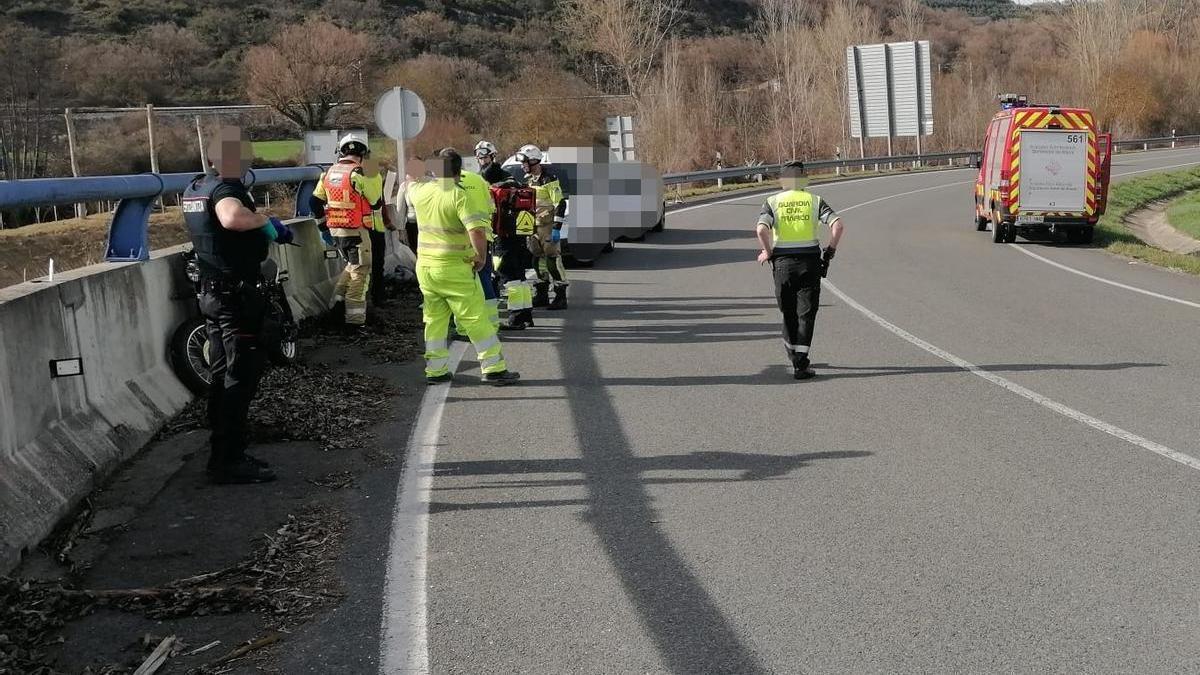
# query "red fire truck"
(1044, 172)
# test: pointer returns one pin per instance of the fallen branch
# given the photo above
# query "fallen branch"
(246, 649)
(154, 593)
(157, 658)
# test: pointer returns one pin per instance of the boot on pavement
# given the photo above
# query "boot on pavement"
(502, 378)
(802, 371)
(541, 294)
(560, 297)
(513, 322)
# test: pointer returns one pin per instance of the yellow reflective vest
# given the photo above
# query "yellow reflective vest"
(796, 215)
(445, 212)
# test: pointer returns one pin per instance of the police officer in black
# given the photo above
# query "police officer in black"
(231, 241)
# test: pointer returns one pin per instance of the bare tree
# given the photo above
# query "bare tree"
(24, 100)
(306, 70)
(630, 34)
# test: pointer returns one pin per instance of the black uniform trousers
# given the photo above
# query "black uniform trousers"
(515, 258)
(378, 249)
(234, 319)
(798, 292)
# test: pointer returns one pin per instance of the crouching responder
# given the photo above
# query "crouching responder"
(453, 249)
(551, 214)
(787, 230)
(230, 241)
(513, 222)
(351, 202)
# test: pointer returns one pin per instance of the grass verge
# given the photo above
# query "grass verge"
(1129, 196)
(1184, 214)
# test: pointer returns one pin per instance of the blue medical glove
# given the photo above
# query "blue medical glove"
(326, 237)
(555, 235)
(278, 232)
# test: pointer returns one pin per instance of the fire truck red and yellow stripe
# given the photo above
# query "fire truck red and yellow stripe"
(1044, 119)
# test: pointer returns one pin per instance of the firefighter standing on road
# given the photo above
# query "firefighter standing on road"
(351, 200)
(787, 230)
(551, 214)
(453, 248)
(230, 241)
(512, 226)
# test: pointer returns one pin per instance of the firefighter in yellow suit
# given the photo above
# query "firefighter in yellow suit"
(452, 250)
(351, 202)
(544, 243)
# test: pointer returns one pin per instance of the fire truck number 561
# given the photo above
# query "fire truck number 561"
(1074, 138)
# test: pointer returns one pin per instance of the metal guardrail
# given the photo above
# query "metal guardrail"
(1145, 143)
(770, 169)
(128, 236)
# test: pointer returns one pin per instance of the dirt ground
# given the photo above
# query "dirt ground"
(234, 578)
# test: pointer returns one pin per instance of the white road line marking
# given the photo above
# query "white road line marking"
(1110, 282)
(404, 644)
(902, 194)
(1045, 402)
(1156, 168)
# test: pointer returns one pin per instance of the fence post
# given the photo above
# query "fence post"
(80, 209)
(1172, 139)
(153, 150)
(200, 140)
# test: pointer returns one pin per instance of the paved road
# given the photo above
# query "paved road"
(660, 496)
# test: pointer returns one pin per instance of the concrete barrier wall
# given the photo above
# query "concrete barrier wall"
(58, 437)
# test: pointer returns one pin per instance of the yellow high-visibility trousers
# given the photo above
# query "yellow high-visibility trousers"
(454, 290)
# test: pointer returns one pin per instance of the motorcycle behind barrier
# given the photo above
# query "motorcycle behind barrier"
(280, 334)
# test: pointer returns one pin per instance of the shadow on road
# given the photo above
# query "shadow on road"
(753, 466)
(688, 628)
(669, 252)
(693, 237)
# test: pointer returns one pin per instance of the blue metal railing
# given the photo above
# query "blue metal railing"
(128, 235)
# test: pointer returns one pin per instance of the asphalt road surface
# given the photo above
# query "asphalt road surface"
(995, 471)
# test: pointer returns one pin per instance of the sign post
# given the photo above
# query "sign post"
(400, 115)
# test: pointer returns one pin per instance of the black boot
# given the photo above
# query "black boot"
(513, 322)
(502, 378)
(541, 294)
(560, 297)
(526, 317)
(801, 370)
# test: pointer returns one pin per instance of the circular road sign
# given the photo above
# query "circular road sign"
(400, 113)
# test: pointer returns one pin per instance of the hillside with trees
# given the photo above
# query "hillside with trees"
(754, 80)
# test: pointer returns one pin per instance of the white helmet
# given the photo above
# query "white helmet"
(353, 144)
(484, 148)
(531, 153)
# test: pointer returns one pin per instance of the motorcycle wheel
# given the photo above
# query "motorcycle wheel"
(189, 356)
(287, 349)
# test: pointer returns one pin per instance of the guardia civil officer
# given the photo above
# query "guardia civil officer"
(231, 241)
(788, 232)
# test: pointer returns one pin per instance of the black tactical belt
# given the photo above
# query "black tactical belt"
(227, 285)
